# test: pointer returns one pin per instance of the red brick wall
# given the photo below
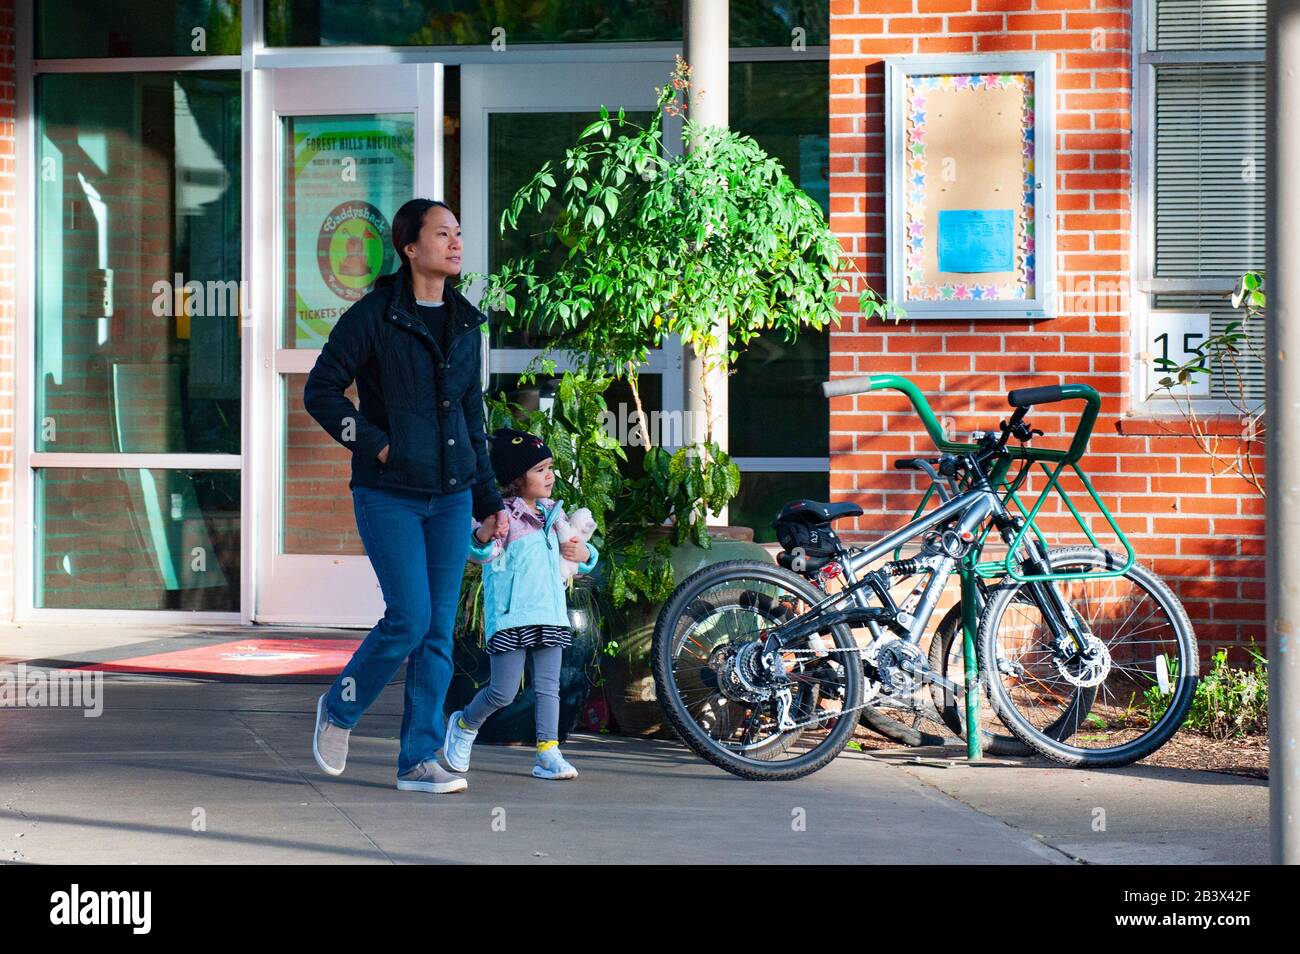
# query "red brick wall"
(318, 514)
(1203, 532)
(7, 255)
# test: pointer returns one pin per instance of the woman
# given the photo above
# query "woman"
(420, 470)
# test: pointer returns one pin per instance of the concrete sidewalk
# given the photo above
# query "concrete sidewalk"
(1135, 815)
(185, 770)
(62, 644)
(126, 787)
(233, 760)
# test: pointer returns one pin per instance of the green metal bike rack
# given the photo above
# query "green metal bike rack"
(970, 571)
(1043, 457)
(1007, 567)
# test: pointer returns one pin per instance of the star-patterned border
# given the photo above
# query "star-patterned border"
(914, 288)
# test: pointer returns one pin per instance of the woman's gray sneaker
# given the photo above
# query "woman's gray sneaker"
(330, 742)
(429, 776)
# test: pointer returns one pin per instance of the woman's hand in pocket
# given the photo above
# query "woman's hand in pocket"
(383, 455)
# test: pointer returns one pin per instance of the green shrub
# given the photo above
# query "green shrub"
(1229, 702)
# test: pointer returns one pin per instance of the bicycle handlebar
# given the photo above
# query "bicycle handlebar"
(895, 382)
(1028, 397)
(1023, 397)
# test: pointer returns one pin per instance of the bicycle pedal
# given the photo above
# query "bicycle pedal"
(926, 675)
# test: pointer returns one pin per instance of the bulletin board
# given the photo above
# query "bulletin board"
(969, 185)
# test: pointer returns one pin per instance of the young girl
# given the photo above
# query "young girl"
(523, 601)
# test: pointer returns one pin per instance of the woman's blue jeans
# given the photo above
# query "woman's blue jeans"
(418, 545)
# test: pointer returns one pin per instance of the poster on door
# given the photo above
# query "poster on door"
(349, 176)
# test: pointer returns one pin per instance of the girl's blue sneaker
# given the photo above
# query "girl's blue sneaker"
(551, 764)
(457, 744)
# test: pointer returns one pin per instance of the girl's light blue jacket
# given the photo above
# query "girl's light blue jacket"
(522, 585)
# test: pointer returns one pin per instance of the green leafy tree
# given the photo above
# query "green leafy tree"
(640, 244)
(654, 244)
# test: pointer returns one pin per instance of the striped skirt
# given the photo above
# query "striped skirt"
(521, 637)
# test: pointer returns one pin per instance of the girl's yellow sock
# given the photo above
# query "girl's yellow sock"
(543, 746)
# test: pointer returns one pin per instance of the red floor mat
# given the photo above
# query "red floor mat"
(246, 657)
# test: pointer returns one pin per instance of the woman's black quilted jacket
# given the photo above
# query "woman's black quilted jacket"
(425, 405)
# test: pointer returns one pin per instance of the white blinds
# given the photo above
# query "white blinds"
(1209, 170)
(1208, 24)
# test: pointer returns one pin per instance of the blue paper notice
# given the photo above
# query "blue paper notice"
(977, 240)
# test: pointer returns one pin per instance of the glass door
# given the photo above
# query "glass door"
(341, 150)
(514, 118)
(135, 397)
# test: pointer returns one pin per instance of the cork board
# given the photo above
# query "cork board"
(969, 153)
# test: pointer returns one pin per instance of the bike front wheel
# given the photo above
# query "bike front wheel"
(1117, 700)
(716, 692)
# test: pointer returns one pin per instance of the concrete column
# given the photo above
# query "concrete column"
(707, 41)
(1283, 396)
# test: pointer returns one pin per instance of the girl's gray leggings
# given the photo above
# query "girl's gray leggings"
(507, 672)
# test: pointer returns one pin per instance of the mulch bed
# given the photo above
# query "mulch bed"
(1190, 750)
(1247, 756)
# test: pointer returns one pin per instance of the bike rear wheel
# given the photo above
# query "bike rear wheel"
(709, 681)
(1114, 704)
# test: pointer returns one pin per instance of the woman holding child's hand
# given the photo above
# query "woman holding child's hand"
(494, 527)
(421, 473)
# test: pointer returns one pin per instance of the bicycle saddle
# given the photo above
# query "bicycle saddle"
(814, 511)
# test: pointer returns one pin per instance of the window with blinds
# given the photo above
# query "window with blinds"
(1208, 153)
(1209, 170)
(1207, 24)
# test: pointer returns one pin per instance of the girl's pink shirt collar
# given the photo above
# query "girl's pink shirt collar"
(522, 519)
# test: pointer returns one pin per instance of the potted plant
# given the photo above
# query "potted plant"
(642, 245)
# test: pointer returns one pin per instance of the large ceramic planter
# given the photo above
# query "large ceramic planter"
(516, 724)
(629, 684)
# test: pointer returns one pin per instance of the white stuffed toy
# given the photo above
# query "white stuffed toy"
(580, 524)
